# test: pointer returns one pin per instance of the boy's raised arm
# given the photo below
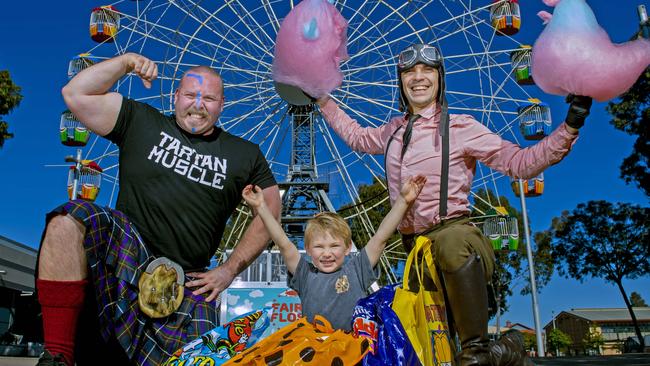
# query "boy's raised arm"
(410, 190)
(255, 199)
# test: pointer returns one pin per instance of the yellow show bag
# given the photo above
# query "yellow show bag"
(422, 311)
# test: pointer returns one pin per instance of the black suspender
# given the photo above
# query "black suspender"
(443, 130)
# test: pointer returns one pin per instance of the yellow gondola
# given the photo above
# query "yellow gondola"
(521, 65)
(532, 187)
(71, 131)
(88, 181)
(534, 119)
(505, 16)
(104, 24)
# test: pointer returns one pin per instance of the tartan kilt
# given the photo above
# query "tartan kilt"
(117, 256)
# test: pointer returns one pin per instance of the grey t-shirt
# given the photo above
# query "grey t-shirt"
(333, 295)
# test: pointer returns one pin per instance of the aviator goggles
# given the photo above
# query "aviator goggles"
(419, 53)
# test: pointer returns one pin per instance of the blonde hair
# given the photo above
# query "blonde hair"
(328, 222)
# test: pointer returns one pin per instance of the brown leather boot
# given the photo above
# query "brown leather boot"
(509, 350)
(468, 301)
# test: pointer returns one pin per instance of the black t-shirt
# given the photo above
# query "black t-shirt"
(180, 189)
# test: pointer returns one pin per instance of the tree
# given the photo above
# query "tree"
(558, 340)
(593, 341)
(373, 195)
(637, 301)
(530, 341)
(603, 240)
(631, 114)
(10, 98)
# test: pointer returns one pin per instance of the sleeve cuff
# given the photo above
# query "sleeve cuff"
(329, 109)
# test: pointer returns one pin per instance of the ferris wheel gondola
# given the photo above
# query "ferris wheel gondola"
(104, 24)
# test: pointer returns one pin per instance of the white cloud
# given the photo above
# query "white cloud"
(232, 299)
(256, 293)
(244, 308)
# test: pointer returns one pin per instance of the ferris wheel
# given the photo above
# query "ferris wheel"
(236, 37)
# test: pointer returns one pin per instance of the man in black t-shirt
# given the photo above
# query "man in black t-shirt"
(180, 180)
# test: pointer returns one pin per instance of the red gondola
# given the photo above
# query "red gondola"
(88, 180)
(505, 16)
(104, 24)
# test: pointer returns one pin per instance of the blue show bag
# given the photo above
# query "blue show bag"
(374, 318)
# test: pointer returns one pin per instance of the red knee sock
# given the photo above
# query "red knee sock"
(61, 303)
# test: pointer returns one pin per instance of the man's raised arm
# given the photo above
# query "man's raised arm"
(87, 94)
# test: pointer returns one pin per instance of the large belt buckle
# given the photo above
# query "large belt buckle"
(161, 288)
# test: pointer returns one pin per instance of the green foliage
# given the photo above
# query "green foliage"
(530, 341)
(373, 195)
(631, 114)
(10, 98)
(593, 340)
(603, 240)
(637, 301)
(558, 340)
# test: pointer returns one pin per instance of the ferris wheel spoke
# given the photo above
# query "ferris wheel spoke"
(235, 122)
(364, 14)
(382, 63)
(251, 134)
(377, 171)
(164, 31)
(138, 20)
(274, 143)
(261, 93)
(210, 16)
(366, 117)
(361, 83)
(272, 17)
(436, 27)
(256, 29)
(394, 12)
(348, 183)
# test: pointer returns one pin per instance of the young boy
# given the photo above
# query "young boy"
(330, 285)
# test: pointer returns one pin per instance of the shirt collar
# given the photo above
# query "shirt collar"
(429, 113)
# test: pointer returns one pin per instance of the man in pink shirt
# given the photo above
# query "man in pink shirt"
(428, 140)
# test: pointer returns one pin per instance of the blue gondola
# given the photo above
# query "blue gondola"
(80, 62)
(534, 119)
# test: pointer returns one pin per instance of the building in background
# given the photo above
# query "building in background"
(613, 324)
(528, 333)
(19, 311)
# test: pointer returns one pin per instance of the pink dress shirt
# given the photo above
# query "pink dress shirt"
(468, 141)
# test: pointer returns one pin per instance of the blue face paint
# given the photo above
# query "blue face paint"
(198, 100)
(197, 76)
(193, 129)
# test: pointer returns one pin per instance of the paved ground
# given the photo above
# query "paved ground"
(637, 359)
(621, 360)
(18, 361)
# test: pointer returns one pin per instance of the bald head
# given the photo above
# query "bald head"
(205, 70)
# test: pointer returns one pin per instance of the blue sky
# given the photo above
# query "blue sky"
(39, 39)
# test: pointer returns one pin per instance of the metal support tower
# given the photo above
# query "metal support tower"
(303, 193)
